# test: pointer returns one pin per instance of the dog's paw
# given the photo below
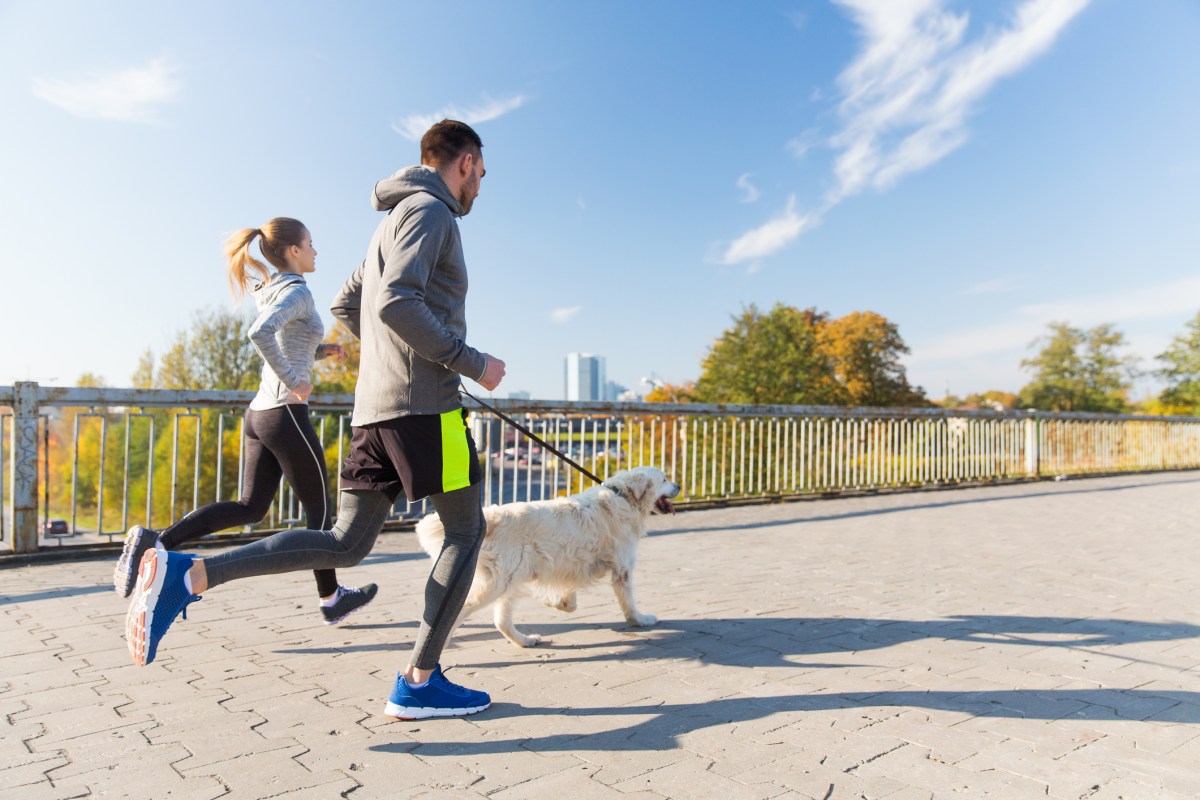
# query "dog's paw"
(531, 640)
(643, 620)
(568, 603)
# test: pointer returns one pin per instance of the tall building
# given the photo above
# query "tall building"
(584, 377)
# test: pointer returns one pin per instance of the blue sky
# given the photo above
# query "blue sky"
(970, 170)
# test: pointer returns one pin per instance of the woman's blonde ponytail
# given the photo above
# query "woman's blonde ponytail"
(274, 238)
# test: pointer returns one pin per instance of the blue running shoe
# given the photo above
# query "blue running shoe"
(158, 598)
(437, 698)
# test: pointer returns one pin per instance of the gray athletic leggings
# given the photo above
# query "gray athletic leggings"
(358, 524)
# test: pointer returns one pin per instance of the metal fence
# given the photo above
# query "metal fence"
(150, 456)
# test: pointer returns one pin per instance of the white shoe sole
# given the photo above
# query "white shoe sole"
(152, 575)
(413, 712)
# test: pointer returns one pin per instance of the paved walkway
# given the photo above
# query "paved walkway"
(1023, 641)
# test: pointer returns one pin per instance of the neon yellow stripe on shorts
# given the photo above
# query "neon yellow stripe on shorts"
(456, 456)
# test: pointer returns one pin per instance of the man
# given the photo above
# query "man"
(406, 302)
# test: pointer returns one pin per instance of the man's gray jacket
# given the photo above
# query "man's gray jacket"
(407, 303)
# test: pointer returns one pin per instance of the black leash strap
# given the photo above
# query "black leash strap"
(534, 436)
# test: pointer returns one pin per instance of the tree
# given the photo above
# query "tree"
(865, 350)
(1079, 370)
(775, 357)
(143, 374)
(215, 354)
(672, 393)
(1181, 371)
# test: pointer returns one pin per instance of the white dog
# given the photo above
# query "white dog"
(552, 548)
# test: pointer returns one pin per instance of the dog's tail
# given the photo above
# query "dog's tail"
(430, 534)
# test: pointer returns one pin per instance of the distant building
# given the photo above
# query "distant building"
(613, 391)
(584, 377)
(519, 396)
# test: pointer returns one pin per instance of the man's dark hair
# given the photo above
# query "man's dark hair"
(446, 141)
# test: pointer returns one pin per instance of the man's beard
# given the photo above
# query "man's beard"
(466, 199)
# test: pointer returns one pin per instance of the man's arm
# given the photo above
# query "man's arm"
(406, 272)
(347, 306)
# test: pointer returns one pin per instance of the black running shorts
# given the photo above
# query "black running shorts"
(422, 454)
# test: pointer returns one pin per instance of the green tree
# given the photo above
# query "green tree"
(775, 357)
(143, 374)
(1181, 370)
(1078, 370)
(865, 349)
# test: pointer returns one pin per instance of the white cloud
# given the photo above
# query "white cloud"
(770, 237)
(414, 125)
(129, 95)
(750, 191)
(1029, 322)
(989, 287)
(798, 146)
(582, 205)
(561, 315)
(908, 93)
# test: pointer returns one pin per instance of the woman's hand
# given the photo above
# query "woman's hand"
(300, 392)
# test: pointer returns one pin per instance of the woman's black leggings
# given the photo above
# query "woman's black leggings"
(279, 442)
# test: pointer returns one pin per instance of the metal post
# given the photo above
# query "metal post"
(1031, 447)
(24, 475)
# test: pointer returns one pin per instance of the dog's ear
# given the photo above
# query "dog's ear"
(638, 486)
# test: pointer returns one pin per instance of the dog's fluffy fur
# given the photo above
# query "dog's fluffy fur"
(553, 548)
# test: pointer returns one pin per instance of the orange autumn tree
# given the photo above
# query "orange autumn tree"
(865, 349)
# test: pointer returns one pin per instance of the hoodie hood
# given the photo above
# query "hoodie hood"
(390, 191)
(268, 294)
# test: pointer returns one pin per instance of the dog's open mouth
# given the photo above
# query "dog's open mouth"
(664, 506)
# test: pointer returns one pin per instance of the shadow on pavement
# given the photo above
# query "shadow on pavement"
(778, 642)
(665, 723)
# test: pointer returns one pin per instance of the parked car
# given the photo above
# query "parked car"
(56, 527)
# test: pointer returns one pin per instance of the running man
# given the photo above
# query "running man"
(406, 302)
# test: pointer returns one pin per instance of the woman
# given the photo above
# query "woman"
(280, 440)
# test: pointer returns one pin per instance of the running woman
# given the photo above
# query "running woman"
(280, 439)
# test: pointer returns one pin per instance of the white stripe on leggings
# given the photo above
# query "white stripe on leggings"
(324, 493)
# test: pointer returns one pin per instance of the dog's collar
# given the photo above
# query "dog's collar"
(613, 489)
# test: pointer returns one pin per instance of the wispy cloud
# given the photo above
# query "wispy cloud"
(1029, 322)
(798, 146)
(988, 287)
(414, 125)
(561, 315)
(907, 95)
(750, 192)
(770, 237)
(128, 95)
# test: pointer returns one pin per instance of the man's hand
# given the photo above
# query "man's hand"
(300, 393)
(336, 351)
(493, 373)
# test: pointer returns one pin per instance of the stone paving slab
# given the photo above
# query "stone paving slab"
(1037, 640)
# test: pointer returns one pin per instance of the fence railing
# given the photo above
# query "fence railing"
(99, 460)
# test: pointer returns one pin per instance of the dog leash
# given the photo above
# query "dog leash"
(538, 439)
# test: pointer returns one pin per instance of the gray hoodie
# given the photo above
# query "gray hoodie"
(407, 303)
(287, 334)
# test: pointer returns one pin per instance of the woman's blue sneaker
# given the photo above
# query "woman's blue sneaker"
(158, 598)
(437, 698)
